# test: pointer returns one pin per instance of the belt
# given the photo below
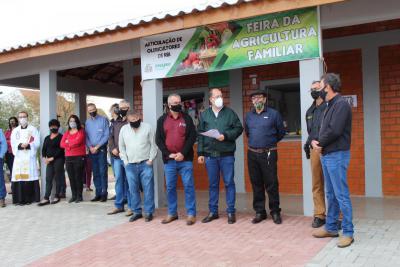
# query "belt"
(262, 150)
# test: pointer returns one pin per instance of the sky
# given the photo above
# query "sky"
(24, 21)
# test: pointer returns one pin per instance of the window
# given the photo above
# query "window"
(284, 96)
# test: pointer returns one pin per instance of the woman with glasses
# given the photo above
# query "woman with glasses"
(73, 141)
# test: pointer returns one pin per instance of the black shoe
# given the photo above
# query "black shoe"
(210, 217)
(44, 203)
(62, 195)
(103, 199)
(78, 199)
(135, 216)
(259, 218)
(148, 217)
(231, 218)
(339, 225)
(73, 199)
(96, 198)
(317, 222)
(276, 217)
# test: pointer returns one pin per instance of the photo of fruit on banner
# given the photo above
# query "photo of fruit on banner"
(201, 51)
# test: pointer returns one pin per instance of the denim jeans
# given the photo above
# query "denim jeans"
(3, 191)
(141, 173)
(215, 167)
(121, 184)
(185, 169)
(334, 166)
(100, 171)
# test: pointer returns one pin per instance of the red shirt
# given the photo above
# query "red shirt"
(175, 130)
(8, 139)
(74, 144)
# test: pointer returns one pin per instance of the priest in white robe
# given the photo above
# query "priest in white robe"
(25, 142)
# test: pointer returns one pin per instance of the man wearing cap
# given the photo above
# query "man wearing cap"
(264, 129)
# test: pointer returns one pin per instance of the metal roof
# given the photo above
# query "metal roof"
(213, 4)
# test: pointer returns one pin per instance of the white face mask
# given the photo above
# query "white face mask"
(219, 102)
(72, 124)
(23, 121)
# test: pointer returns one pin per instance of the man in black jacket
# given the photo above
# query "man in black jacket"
(313, 118)
(334, 143)
(175, 137)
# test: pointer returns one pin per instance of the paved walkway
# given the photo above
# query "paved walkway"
(83, 235)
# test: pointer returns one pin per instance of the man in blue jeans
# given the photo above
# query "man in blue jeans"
(3, 150)
(121, 183)
(138, 150)
(175, 137)
(217, 148)
(334, 141)
(97, 133)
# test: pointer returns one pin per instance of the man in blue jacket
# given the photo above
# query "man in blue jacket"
(264, 129)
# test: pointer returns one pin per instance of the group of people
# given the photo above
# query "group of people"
(79, 151)
(134, 145)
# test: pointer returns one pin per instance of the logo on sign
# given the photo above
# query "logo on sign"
(148, 68)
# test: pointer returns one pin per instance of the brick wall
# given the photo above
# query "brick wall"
(348, 65)
(379, 26)
(389, 66)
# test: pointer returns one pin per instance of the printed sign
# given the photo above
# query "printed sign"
(268, 39)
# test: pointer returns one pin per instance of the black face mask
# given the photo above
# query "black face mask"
(176, 108)
(315, 94)
(135, 124)
(54, 130)
(93, 114)
(323, 94)
(123, 112)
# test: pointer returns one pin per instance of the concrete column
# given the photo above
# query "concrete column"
(372, 122)
(48, 111)
(236, 103)
(80, 105)
(128, 81)
(310, 70)
(152, 93)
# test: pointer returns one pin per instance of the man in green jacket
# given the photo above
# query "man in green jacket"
(217, 148)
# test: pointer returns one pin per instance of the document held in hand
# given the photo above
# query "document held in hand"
(213, 133)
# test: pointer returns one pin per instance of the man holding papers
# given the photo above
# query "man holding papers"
(219, 128)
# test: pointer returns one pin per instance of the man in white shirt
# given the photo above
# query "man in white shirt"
(138, 150)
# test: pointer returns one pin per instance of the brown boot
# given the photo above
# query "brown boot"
(345, 241)
(2, 203)
(321, 233)
(115, 211)
(190, 220)
(170, 218)
(129, 213)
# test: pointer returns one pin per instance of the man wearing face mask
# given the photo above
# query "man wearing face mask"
(313, 118)
(264, 129)
(137, 149)
(175, 137)
(218, 153)
(97, 134)
(333, 142)
(25, 141)
(121, 183)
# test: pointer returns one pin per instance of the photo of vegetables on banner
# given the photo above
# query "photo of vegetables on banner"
(267, 39)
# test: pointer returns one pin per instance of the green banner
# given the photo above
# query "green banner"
(268, 39)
